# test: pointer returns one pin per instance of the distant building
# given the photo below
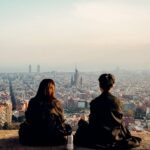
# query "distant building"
(83, 104)
(72, 81)
(5, 113)
(148, 113)
(81, 82)
(30, 68)
(148, 125)
(38, 68)
(147, 110)
(75, 79)
(22, 105)
(70, 104)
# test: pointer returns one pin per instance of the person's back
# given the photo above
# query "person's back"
(101, 109)
(104, 115)
(44, 123)
(106, 128)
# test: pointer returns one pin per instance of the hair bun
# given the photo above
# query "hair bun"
(106, 80)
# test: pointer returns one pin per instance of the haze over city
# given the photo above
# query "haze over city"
(61, 35)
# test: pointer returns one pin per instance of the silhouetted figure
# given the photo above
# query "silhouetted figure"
(44, 123)
(106, 128)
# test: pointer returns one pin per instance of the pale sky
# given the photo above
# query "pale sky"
(63, 34)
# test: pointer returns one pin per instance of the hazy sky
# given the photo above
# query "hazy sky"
(62, 34)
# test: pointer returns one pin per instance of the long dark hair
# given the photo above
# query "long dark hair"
(43, 90)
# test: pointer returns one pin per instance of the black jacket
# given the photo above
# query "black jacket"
(44, 124)
(40, 113)
(105, 110)
(105, 115)
(106, 128)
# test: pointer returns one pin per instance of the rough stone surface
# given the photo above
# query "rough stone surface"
(9, 141)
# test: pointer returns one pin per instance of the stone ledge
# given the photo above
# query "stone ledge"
(9, 141)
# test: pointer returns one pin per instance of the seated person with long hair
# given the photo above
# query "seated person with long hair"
(45, 123)
(105, 128)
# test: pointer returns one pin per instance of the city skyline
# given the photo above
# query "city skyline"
(91, 35)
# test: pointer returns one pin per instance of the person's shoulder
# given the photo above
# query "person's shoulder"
(35, 102)
(95, 100)
(112, 97)
(115, 100)
(56, 102)
(32, 101)
(115, 97)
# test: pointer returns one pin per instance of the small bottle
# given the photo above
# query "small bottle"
(70, 142)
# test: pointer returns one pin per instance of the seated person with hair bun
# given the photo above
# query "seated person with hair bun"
(105, 128)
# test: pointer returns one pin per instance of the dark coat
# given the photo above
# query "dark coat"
(105, 116)
(106, 127)
(44, 124)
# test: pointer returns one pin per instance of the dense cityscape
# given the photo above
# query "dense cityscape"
(75, 90)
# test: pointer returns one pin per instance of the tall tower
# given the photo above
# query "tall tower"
(76, 77)
(30, 69)
(81, 82)
(38, 68)
(72, 81)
